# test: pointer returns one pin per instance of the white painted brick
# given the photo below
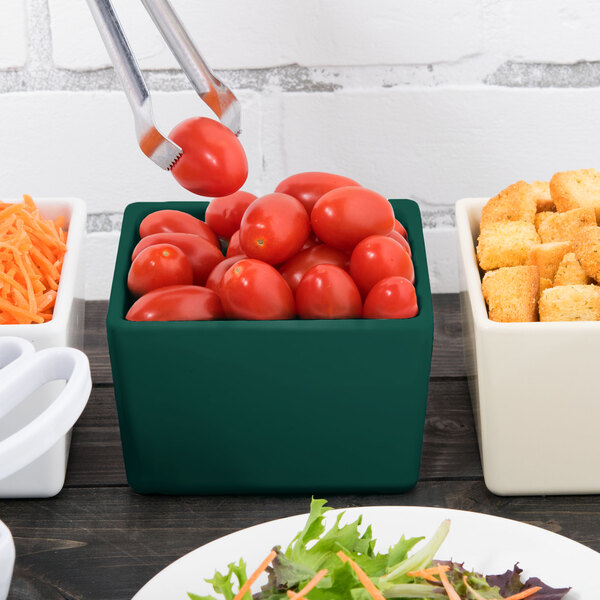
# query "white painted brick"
(441, 248)
(237, 34)
(83, 144)
(13, 36)
(439, 144)
(559, 32)
(100, 255)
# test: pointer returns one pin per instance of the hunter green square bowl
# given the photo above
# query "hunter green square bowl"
(247, 407)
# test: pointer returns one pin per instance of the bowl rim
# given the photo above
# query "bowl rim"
(66, 287)
(467, 236)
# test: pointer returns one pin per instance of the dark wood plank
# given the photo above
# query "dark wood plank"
(104, 544)
(96, 457)
(95, 344)
(447, 360)
(450, 449)
(449, 444)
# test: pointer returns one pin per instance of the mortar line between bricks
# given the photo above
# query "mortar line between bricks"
(106, 222)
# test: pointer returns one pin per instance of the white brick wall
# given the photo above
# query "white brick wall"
(427, 99)
(13, 37)
(237, 34)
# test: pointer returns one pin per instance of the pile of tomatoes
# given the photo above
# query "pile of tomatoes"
(319, 247)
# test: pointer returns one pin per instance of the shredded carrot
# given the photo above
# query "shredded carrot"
(452, 593)
(525, 594)
(32, 251)
(362, 577)
(309, 586)
(429, 573)
(263, 565)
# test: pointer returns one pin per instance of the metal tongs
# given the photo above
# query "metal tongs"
(211, 90)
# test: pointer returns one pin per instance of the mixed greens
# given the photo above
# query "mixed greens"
(340, 563)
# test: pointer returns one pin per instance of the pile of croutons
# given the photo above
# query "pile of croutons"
(539, 244)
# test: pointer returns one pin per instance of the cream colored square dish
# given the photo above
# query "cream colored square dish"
(66, 327)
(533, 388)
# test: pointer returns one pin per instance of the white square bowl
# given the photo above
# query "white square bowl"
(534, 388)
(45, 476)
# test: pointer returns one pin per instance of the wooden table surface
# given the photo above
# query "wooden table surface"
(99, 540)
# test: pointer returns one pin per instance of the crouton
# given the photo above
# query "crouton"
(576, 189)
(505, 244)
(587, 250)
(545, 284)
(543, 199)
(570, 303)
(515, 203)
(563, 227)
(570, 272)
(547, 257)
(540, 218)
(512, 293)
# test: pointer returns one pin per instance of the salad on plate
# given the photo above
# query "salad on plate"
(340, 563)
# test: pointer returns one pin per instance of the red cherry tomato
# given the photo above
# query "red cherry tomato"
(176, 221)
(311, 241)
(216, 275)
(213, 162)
(234, 248)
(224, 214)
(401, 240)
(309, 187)
(177, 303)
(158, 266)
(328, 292)
(400, 229)
(294, 269)
(377, 257)
(274, 228)
(203, 256)
(345, 216)
(391, 298)
(255, 290)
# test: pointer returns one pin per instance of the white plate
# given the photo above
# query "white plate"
(485, 543)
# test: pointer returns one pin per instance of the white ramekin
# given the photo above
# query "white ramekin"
(534, 388)
(64, 329)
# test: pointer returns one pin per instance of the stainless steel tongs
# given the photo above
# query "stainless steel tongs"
(210, 89)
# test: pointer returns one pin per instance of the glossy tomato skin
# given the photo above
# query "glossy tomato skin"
(274, 228)
(177, 303)
(216, 275)
(328, 292)
(158, 266)
(311, 241)
(400, 229)
(294, 269)
(201, 253)
(401, 240)
(234, 248)
(254, 290)
(391, 298)
(176, 221)
(377, 257)
(224, 214)
(213, 162)
(310, 186)
(345, 216)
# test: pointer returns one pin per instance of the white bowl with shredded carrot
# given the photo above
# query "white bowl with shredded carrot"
(41, 270)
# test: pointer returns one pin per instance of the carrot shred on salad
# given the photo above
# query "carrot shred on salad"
(263, 565)
(525, 593)
(309, 586)
(363, 577)
(429, 573)
(32, 251)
